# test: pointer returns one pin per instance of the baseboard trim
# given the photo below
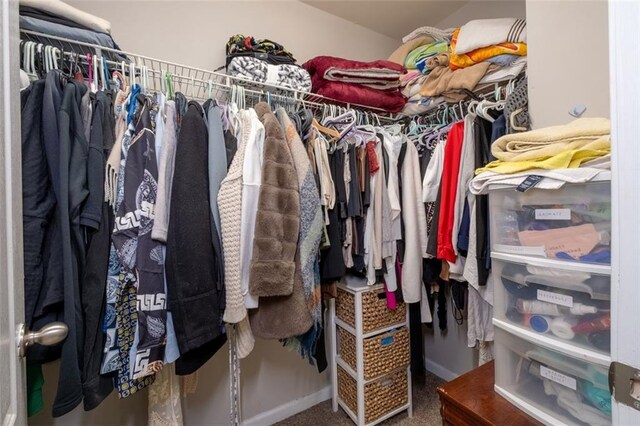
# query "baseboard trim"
(289, 409)
(439, 370)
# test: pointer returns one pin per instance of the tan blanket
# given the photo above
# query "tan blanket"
(446, 82)
(580, 134)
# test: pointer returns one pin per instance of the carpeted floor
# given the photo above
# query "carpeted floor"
(426, 409)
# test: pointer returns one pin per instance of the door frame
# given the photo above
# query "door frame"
(11, 257)
(624, 62)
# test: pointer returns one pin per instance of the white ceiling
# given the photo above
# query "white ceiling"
(392, 18)
(397, 18)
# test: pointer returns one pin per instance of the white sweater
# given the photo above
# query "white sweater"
(251, 179)
(415, 227)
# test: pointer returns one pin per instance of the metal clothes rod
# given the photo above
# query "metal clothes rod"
(202, 76)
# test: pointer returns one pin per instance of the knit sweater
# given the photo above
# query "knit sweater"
(230, 208)
(278, 219)
(310, 215)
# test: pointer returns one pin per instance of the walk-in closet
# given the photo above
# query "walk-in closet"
(297, 212)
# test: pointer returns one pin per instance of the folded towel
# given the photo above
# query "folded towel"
(462, 60)
(562, 160)
(377, 74)
(401, 52)
(254, 69)
(423, 53)
(435, 33)
(582, 133)
(389, 100)
(488, 32)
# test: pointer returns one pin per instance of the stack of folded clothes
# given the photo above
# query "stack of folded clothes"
(445, 65)
(585, 142)
(375, 84)
(55, 18)
(266, 62)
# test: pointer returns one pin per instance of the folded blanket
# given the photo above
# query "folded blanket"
(423, 53)
(401, 52)
(489, 32)
(377, 74)
(389, 100)
(443, 80)
(505, 73)
(462, 60)
(553, 179)
(564, 158)
(254, 69)
(435, 33)
(539, 144)
(503, 60)
(59, 8)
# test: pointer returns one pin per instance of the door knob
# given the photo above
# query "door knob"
(49, 335)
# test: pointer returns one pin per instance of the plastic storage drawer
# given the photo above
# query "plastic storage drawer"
(568, 302)
(571, 223)
(552, 387)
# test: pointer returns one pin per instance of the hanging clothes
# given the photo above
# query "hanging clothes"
(196, 298)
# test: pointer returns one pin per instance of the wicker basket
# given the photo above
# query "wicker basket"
(381, 396)
(375, 314)
(382, 353)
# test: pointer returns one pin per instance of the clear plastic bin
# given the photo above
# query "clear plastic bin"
(550, 298)
(550, 386)
(571, 223)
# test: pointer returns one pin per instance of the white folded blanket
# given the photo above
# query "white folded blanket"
(553, 179)
(488, 32)
(284, 75)
(57, 7)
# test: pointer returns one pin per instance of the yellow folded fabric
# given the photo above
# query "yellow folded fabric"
(479, 55)
(540, 144)
(563, 160)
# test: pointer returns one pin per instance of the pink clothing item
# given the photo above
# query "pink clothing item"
(448, 190)
(392, 303)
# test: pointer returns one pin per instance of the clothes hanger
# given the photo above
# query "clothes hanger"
(325, 130)
(512, 122)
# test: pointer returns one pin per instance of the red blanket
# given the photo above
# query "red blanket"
(374, 84)
(376, 70)
(388, 100)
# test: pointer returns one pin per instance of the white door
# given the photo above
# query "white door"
(12, 371)
(624, 60)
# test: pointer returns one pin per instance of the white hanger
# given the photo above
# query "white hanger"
(132, 73)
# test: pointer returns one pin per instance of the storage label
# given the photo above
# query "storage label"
(556, 298)
(553, 214)
(521, 250)
(557, 377)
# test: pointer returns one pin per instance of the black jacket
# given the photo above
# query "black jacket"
(195, 295)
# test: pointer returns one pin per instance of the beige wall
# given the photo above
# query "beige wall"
(568, 59)
(271, 377)
(195, 33)
(480, 9)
